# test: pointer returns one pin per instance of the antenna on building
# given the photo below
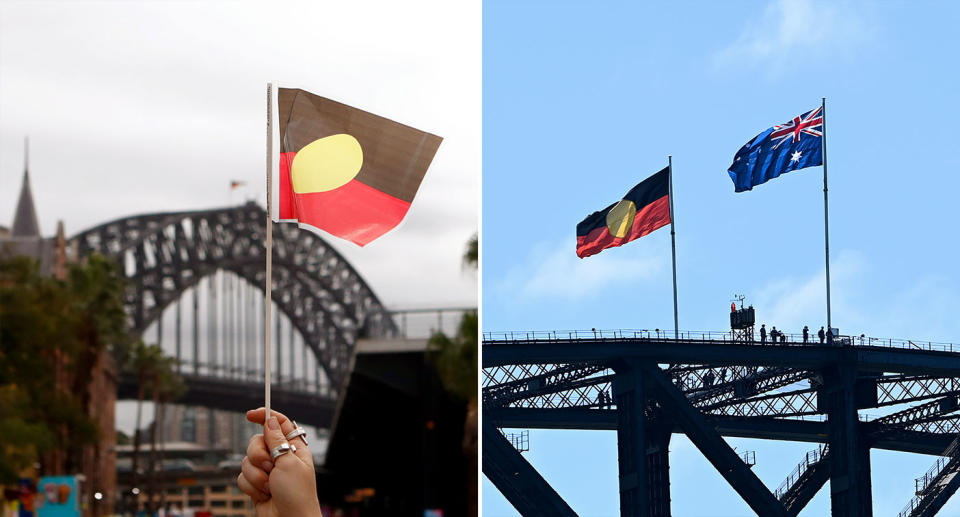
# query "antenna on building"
(739, 298)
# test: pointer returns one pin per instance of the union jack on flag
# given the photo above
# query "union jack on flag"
(809, 123)
(780, 149)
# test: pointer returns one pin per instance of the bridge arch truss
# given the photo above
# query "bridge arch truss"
(164, 255)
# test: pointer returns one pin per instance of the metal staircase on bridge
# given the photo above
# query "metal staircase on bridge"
(937, 485)
(805, 480)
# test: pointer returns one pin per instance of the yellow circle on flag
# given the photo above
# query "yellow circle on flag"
(326, 163)
(620, 218)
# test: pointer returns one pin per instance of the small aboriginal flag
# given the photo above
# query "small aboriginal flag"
(644, 209)
(345, 171)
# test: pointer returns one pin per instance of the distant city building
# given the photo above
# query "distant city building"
(98, 461)
(191, 477)
(211, 428)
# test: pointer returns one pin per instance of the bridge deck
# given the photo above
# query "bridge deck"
(868, 358)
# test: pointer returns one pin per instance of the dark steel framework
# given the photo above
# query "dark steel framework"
(647, 387)
(164, 255)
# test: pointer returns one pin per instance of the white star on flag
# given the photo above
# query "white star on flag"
(795, 157)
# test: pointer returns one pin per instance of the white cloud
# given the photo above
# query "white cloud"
(554, 270)
(863, 303)
(792, 302)
(789, 33)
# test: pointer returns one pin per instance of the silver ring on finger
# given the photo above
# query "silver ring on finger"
(280, 450)
(299, 432)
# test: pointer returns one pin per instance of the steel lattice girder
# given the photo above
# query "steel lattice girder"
(572, 385)
(165, 254)
(558, 380)
(897, 389)
(794, 403)
(918, 414)
(579, 385)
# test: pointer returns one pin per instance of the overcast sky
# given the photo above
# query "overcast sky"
(144, 107)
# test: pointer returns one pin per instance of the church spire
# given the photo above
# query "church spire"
(25, 218)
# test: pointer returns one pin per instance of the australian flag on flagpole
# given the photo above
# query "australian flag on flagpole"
(782, 148)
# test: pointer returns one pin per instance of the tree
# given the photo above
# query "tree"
(456, 362)
(167, 386)
(471, 257)
(96, 310)
(142, 360)
(156, 377)
(40, 349)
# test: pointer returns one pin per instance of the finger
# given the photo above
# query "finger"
(255, 476)
(252, 493)
(303, 451)
(273, 434)
(257, 415)
(258, 453)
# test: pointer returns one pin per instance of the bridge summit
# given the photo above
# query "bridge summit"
(649, 384)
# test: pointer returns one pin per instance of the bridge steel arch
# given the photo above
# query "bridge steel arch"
(165, 254)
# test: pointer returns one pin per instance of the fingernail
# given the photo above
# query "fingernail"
(267, 465)
(273, 424)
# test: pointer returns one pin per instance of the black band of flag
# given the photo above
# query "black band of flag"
(644, 209)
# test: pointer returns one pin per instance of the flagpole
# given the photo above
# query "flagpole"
(268, 277)
(673, 248)
(826, 215)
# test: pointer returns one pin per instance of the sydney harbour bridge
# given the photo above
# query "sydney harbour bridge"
(195, 285)
(648, 385)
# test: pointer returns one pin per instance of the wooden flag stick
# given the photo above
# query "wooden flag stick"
(268, 278)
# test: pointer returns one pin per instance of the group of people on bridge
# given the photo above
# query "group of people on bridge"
(778, 336)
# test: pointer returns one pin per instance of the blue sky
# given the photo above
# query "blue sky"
(583, 100)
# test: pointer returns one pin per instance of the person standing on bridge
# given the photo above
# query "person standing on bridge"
(806, 333)
(763, 333)
(774, 333)
(277, 472)
(821, 334)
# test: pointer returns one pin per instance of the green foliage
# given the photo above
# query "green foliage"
(471, 256)
(22, 439)
(456, 357)
(154, 368)
(97, 289)
(47, 324)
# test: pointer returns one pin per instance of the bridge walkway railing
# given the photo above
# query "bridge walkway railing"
(790, 339)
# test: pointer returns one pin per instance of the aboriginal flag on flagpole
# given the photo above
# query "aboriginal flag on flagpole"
(342, 170)
(645, 208)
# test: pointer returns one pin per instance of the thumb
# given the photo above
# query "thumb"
(272, 434)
